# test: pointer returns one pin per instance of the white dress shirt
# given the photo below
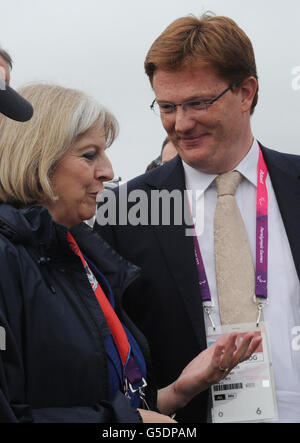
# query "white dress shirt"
(282, 314)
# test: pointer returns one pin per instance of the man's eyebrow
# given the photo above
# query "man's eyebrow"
(200, 98)
(204, 97)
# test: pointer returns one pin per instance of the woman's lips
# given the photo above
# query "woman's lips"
(94, 195)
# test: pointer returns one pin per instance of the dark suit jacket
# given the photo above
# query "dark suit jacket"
(165, 302)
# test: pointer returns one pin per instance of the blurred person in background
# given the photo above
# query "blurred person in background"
(12, 105)
(168, 151)
(6, 63)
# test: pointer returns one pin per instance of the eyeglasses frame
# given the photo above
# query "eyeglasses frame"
(207, 103)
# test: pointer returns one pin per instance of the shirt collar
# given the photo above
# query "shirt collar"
(196, 180)
(248, 166)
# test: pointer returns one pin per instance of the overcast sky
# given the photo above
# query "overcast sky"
(99, 46)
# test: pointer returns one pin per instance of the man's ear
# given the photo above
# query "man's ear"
(248, 90)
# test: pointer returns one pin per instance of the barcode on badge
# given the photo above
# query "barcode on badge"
(228, 387)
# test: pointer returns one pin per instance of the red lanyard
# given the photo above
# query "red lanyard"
(115, 326)
(133, 379)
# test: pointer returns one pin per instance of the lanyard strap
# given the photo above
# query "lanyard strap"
(115, 326)
(203, 282)
(133, 380)
(261, 290)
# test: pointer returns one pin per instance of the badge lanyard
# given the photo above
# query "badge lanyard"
(261, 277)
(133, 380)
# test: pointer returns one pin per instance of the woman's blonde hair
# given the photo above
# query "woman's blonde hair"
(30, 151)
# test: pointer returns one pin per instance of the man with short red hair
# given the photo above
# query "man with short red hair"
(205, 83)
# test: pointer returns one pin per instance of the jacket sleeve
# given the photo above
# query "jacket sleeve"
(117, 411)
(14, 407)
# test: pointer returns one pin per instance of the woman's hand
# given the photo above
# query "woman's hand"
(154, 417)
(208, 368)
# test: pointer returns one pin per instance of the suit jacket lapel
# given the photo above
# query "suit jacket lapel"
(284, 172)
(178, 249)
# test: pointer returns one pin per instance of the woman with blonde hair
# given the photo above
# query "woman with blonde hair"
(71, 352)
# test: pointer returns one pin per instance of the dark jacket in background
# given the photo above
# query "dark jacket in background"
(54, 368)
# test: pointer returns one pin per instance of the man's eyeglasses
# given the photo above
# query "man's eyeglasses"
(188, 106)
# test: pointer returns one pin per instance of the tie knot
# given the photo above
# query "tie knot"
(227, 183)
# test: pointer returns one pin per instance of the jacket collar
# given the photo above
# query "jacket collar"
(178, 247)
(35, 228)
(169, 176)
(119, 271)
(30, 226)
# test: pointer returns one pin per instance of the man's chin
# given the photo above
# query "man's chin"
(202, 163)
(193, 157)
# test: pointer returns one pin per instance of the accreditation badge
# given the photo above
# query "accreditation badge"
(247, 394)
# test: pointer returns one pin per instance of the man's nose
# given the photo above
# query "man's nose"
(183, 121)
